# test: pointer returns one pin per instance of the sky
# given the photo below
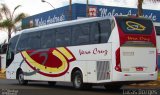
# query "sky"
(32, 7)
(36, 6)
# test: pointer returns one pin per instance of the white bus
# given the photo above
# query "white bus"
(108, 51)
(157, 26)
(3, 48)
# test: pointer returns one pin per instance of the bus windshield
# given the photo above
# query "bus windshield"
(135, 25)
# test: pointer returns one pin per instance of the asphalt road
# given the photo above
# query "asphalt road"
(11, 87)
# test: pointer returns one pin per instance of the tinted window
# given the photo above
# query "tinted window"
(135, 25)
(63, 37)
(80, 34)
(94, 33)
(13, 43)
(105, 30)
(3, 48)
(100, 31)
(23, 42)
(112, 24)
(11, 50)
(158, 30)
(48, 39)
(34, 40)
(158, 62)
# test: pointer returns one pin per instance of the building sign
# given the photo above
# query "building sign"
(79, 11)
(92, 11)
(115, 12)
(49, 20)
(50, 17)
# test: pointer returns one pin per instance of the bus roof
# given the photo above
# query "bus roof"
(66, 23)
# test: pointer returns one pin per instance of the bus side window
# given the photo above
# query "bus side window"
(63, 37)
(100, 31)
(3, 48)
(80, 34)
(23, 43)
(105, 30)
(34, 40)
(9, 57)
(48, 39)
(94, 33)
(0, 49)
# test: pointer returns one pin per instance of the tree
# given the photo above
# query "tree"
(8, 19)
(140, 2)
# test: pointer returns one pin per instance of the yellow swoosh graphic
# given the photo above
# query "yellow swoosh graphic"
(140, 26)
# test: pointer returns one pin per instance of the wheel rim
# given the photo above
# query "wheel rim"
(21, 78)
(78, 81)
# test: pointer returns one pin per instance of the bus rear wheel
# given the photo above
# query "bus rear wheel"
(77, 80)
(21, 78)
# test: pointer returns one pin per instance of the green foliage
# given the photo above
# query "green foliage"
(8, 20)
(6, 23)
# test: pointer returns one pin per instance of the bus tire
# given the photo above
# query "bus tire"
(78, 80)
(21, 78)
(51, 83)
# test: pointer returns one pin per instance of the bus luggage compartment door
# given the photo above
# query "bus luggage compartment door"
(138, 59)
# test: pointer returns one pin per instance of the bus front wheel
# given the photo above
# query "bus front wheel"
(21, 78)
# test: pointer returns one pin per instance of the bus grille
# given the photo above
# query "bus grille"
(103, 70)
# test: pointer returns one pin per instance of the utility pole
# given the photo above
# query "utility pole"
(70, 9)
(87, 8)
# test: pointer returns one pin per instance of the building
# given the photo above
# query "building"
(80, 11)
